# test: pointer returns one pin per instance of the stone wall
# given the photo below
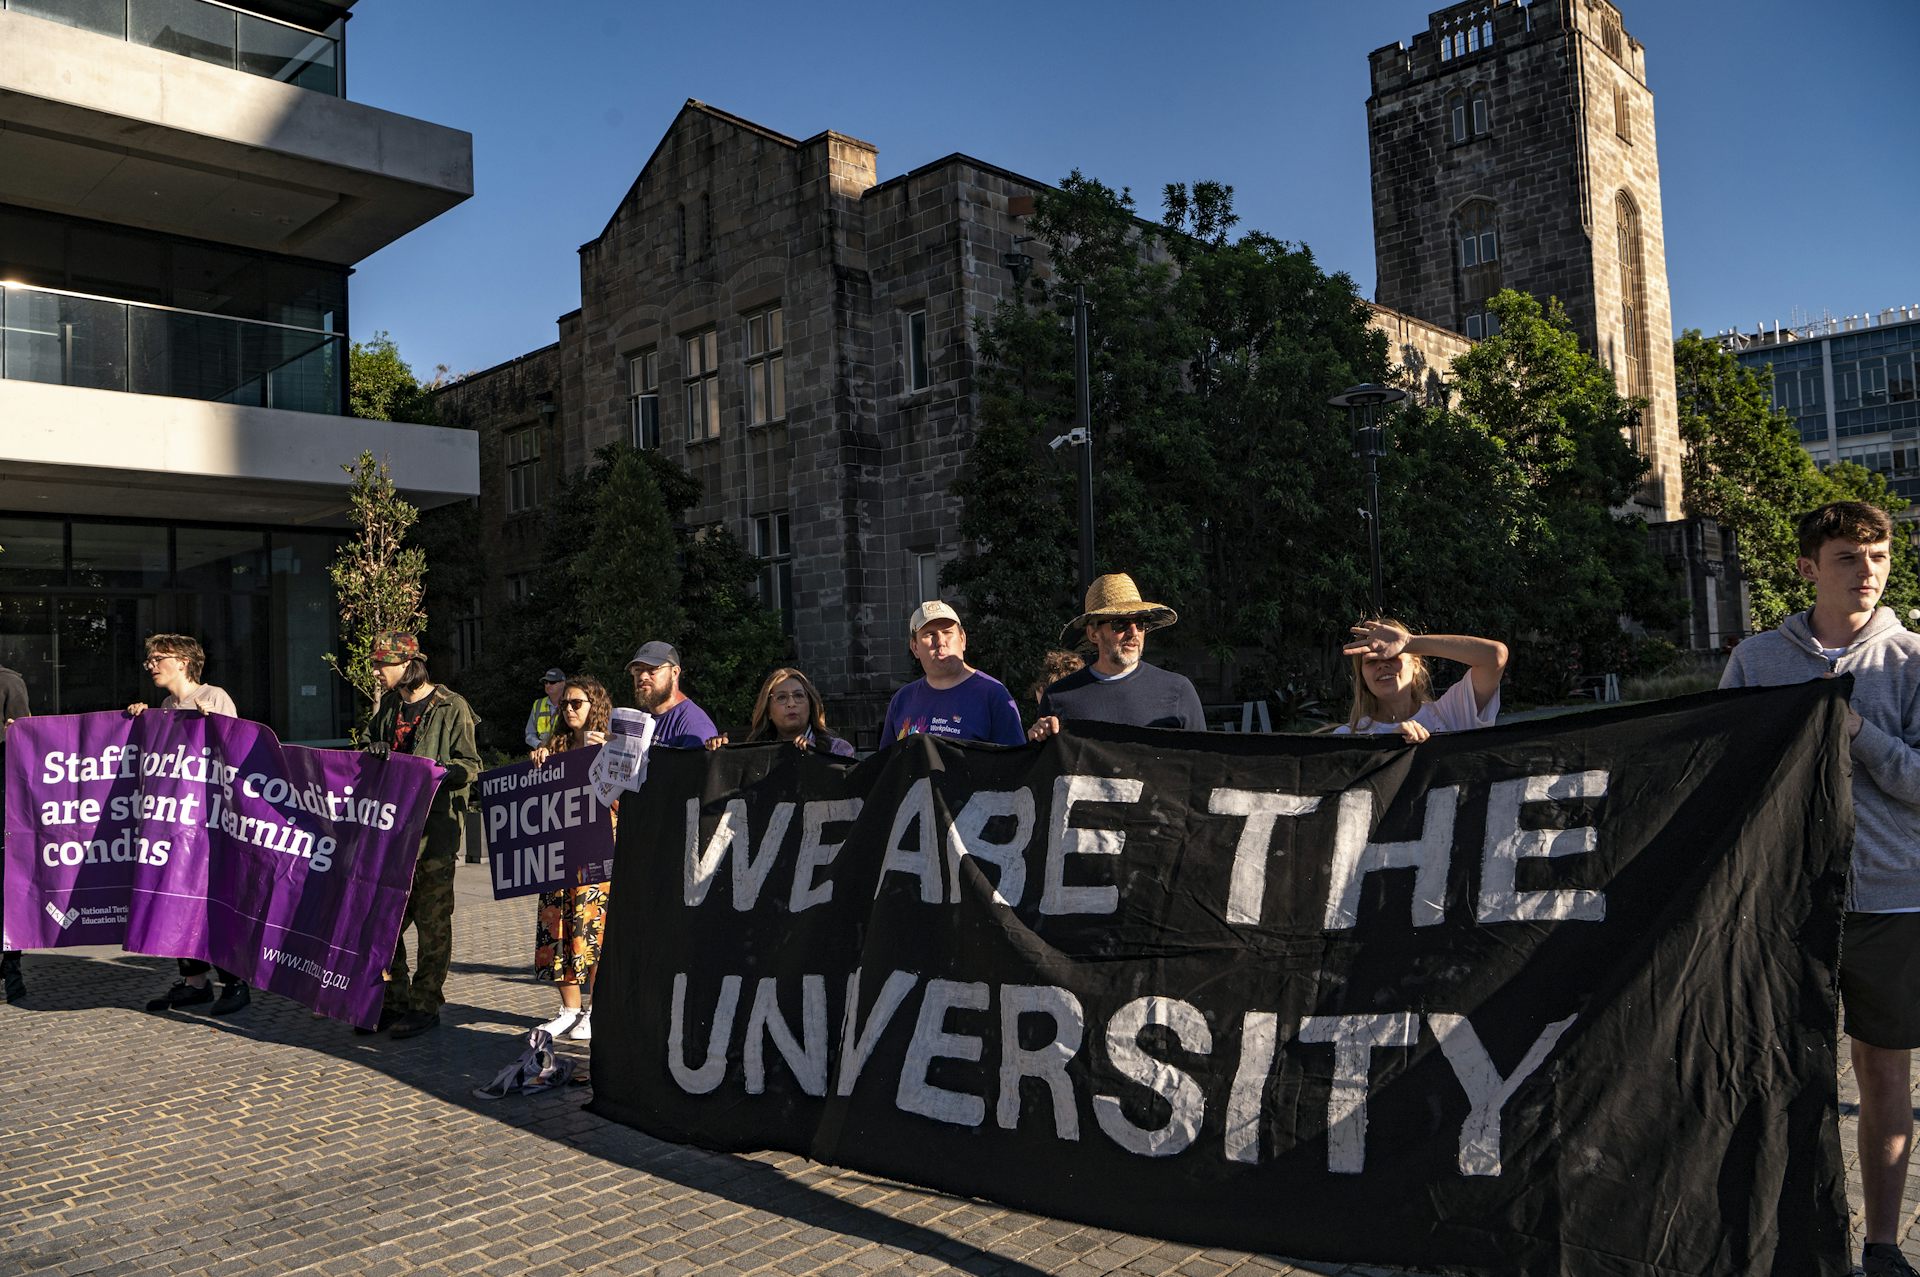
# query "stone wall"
(1547, 162)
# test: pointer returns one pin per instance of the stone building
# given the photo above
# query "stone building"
(1512, 146)
(800, 336)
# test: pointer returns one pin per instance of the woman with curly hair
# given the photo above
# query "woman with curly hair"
(789, 708)
(567, 938)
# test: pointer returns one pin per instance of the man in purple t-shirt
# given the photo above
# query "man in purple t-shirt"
(679, 723)
(953, 699)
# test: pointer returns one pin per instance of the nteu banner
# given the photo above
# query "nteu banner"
(1550, 998)
(202, 836)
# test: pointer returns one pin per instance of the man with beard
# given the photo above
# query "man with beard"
(679, 723)
(1119, 687)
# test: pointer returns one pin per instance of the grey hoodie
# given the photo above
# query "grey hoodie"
(1885, 664)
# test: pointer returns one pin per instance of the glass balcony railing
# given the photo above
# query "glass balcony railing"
(71, 339)
(208, 31)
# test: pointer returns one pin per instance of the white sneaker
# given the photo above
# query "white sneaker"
(559, 1024)
(582, 1030)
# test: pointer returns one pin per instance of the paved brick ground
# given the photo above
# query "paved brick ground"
(275, 1143)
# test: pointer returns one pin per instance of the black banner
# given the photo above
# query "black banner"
(1549, 998)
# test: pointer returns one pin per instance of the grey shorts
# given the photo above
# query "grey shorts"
(1880, 979)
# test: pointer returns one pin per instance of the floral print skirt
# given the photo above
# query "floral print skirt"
(567, 939)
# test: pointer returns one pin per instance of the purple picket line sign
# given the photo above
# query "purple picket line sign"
(202, 836)
(545, 828)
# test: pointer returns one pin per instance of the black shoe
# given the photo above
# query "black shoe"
(232, 998)
(180, 995)
(1883, 1259)
(414, 1023)
(387, 1016)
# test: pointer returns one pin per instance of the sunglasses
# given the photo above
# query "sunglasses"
(575, 702)
(1121, 624)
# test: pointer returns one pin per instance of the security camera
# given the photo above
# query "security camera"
(1075, 436)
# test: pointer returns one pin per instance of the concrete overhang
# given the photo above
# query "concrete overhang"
(70, 450)
(93, 126)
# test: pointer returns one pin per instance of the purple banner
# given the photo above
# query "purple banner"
(202, 836)
(545, 828)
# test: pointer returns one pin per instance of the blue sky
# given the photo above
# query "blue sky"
(1789, 141)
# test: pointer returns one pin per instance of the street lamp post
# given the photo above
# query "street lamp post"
(1364, 404)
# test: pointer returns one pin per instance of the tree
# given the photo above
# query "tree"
(624, 574)
(1745, 469)
(376, 576)
(1219, 473)
(381, 385)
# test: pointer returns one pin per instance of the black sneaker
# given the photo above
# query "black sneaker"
(1883, 1259)
(414, 1023)
(180, 995)
(232, 998)
(387, 1016)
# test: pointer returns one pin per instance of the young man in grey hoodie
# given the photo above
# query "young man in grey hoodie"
(1846, 550)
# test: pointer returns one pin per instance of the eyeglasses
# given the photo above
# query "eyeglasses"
(1121, 624)
(156, 658)
(575, 702)
(789, 698)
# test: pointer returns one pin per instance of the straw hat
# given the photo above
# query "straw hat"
(1115, 594)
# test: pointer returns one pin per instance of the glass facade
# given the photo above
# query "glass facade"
(79, 596)
(207, 32)
(85, 304)
(1857, 388)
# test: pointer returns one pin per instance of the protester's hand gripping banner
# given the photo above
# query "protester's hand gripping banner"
(202, 836)
(1550, 998)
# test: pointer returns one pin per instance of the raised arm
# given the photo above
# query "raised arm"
(1485, 659)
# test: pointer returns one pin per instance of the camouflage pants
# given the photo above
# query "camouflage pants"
(430, 913)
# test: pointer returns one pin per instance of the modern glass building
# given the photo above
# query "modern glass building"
(1849, 384)
(184, 190)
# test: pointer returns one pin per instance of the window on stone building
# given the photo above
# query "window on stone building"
(680, 244)
(519, 585)
(1479, 114)
(1622, 115)
(1486, 35)
(773, 546)
(919, 373)
(523, 469)
(1457, 117)
(1467, 115)
(1633, 299)
(1610, 37)
(766, 367)
(1482, 324)
(926, 576)
(466, 634)
(1479, 244)
(701, 376)
(643, 398)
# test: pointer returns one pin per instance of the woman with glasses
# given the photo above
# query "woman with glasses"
(789, 708)
(572, 920)
(175, 663)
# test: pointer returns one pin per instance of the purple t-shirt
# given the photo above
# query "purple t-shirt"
(685, 726)
(978, 707)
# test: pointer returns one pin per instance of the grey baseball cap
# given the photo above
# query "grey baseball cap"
(655, 653)
(554, 675)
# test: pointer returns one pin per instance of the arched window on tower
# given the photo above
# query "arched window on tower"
(1622, 115)
(1610, 37)
(1632, 373)
(1456, 117)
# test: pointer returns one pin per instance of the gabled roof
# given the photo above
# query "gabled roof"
(695, 106)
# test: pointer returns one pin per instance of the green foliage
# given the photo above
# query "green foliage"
(618, 567)
(381, 385)
(624, 575)
(376, 576)
(1227, 486)
(1745, 469)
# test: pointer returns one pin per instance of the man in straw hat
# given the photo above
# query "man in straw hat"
(1119, 687)
(953, 699)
